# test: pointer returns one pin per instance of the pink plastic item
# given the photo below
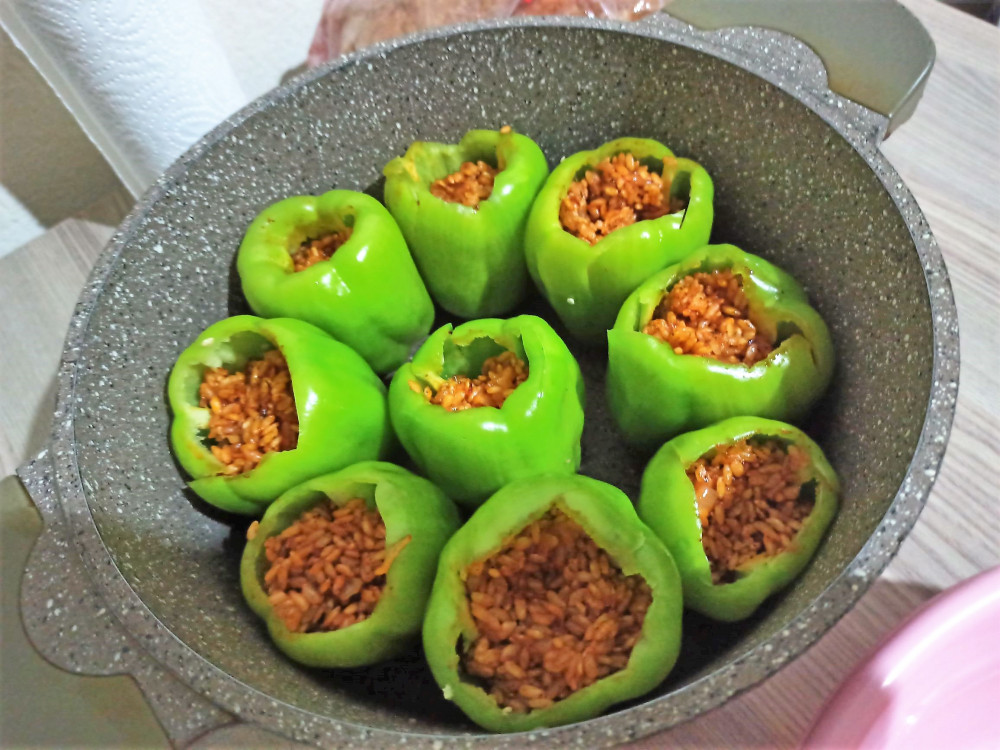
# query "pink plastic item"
(347, 25)
(933, 684)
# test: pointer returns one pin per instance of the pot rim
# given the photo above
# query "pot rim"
(792, 68)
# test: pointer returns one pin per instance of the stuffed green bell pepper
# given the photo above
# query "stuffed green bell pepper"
(340, 567)
(260, 406)
(722, 333)
(605, 220)
(742, 506)
(552, 603)
(337, 261)
(462, 208)
(489, 402)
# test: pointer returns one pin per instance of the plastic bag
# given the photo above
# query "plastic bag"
(347, 25)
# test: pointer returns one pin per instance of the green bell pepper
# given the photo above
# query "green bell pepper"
(607, 515)
(655, 393)
(667, 503)
(472, 453)
(586, 284)
(341, 406)
(471, 258)
(410, 506)
(368, 294)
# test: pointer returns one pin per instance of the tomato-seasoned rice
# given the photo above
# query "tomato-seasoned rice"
(326, 571)
(749, 502)
(615, 193)
(251, 412)
(500, 376)
(707, 315)
(471, 184)
(554, 614)
(312, 252)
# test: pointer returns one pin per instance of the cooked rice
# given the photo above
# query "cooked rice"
(554, 614)
(472, 183)
(252, 412)
(327, 570)
(707, 315)
(615, 193)
(749, 502)
(311, 252)
(500, 376)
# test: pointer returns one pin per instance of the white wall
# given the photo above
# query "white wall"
(264, 38)
(49, 170)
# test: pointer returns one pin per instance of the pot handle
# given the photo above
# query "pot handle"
(876, 52)
(71, 626)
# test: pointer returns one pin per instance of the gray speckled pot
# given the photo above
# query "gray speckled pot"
(799, 179)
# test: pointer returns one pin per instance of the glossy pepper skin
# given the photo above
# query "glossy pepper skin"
(341, 405)
(471, 258)
(586, 284)
(410, 506)
(607, 515)
(368, 294)
(471, 454)
(668, 505)
(655, 393)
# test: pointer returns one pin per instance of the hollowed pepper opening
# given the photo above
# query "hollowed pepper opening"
(707, 314)
(321, 238)
(471, 183)
(327, 570)
(554, 614)
(619, 191)
(313, 251)
(251, 410)
(752, 501)
(500, 376)
(500, 372)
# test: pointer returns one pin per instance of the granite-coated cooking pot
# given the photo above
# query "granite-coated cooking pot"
(799, 179)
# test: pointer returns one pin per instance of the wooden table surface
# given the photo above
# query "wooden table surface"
(948, 154)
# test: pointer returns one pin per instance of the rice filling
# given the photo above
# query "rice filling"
(750, 502)
(251, 413)
(314, 251)
(327, 570)
(554, 614)
(469, 185)
(616, 192)
(708, 315)
(500, 376)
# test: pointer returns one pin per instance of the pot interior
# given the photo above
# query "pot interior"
(788, 187)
